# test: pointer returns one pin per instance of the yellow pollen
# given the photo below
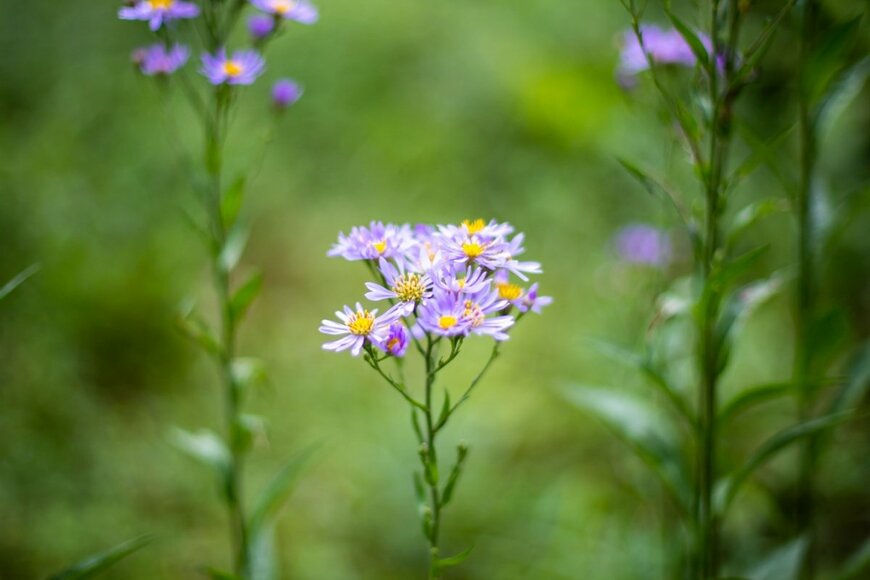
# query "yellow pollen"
(409, 287)
(474, 312)
(461, 283)
(380, 247)
(161, 4)
(361, 323)
(472, 249)
(233, 69)
(509, 291)
(282, 6)
(392, 343)
(447, 322)
(474, 226)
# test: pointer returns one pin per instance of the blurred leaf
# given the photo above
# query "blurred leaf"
(752, 214)
(751, 397)
(730, 270)
(766, 152)
(654, 187)
(761, 152)
(216, 574)
(639, 363)
(93, 565)
(248, 427)
(18, 280)
(784, 563)
(841, 95)
(643, 429)
(739, 306)
(691, 38)
(248, 372)
(231, 202)
(727, 488)
(858, 563)
(233, 248)
(859, 381)
(261, 553)
(196, 329)
(759, 47)
(273, 497)
(205, 446)
(454, 560)
(242, 298)
(826, 336)
(828, 58)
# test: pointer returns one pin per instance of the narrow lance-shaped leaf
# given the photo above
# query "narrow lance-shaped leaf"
(15, 282)
(654, 187)
(753, 396)
(858, 383)
(205, 446)
(647, 433)
(262, 561)
(95, 564)
(784, 562)
(829, 58)
(272, 498)
(857, 564)
(691, 38)
(231, 202)
(727, 488)
(751, 215)
(454, 560)
(233, 248)
(245, 296)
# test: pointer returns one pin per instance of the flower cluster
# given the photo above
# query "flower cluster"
(445, 281)
(219, 67)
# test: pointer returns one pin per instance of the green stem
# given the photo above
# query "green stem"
(431, 475)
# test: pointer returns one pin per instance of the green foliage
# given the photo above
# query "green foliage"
(94, 565)
(15, 282)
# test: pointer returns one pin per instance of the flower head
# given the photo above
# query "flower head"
(462, 280)
(159, 12)
(407, 287)
(298, 10)
(158, 60)
(444, 315)
(397, 340)
(358, 326)
(374, 242)
(643, 244)
(242, 68)
(478, 307)
(260, 26)
(285, 92)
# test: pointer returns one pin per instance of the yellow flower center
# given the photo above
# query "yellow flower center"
(161, 4)
(447, 322)
(409, 287)
(474, 312)
(282, 6)
(472, 249)
(380, 246)
(474, 226)
(509, 291)
(461, 283)
(361, 323)
(233, 69)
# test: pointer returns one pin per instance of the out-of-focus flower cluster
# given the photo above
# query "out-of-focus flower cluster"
(446, 281)
(220, 67)
(662, 46)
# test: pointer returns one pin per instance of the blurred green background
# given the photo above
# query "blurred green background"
(414, 111)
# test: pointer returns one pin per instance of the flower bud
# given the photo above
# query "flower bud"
(260, 26)
(285, 92)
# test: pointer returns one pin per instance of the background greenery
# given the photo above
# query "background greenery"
(414, 111)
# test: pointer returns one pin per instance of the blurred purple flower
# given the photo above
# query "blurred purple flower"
(663, 46)
(159, 12)
(374, 242)
(260, 26)
(242, 69)
(298, 10)
(157, 60)
(397, 341)
(643, 244)
(285, 92)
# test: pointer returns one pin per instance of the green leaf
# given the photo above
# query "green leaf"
(760, 46)
(233, 248)
(654, 187)
(248, 372)
(262, 562)
(691, 38)
(231, 202)
(784, 563)
(859, 381)
(751, 215)
(753, 396)
(445, 409)
(733, 269)
(858, 564)
(204, 446)
(93, 565)
(242, 298)
(461, 454)
(273, 497)
(643, 429)
(18, 280)
(642, 365)
(195, 328)
(841, 95)
(742, 302)
(727, 488)
(459, 558)
(827, 335)
(828, 59)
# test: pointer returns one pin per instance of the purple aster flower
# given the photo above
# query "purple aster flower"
(397, 341)
(285, 92)
(478, 306)
(459, 280)
(643, 244)
(663, 46)
(532, 301)
(260, 26)
(478, 227)
(358, 326)
(298, 10)
(159, 12)
(444, 315)
(374, 242)
(242, 68)
(158, 60)
(488, 253)
(408, 288)
(515, 248)
(524, 300)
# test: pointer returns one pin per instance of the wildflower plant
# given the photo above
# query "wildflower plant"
(437, 288)
(701, 314)
(213, 91)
